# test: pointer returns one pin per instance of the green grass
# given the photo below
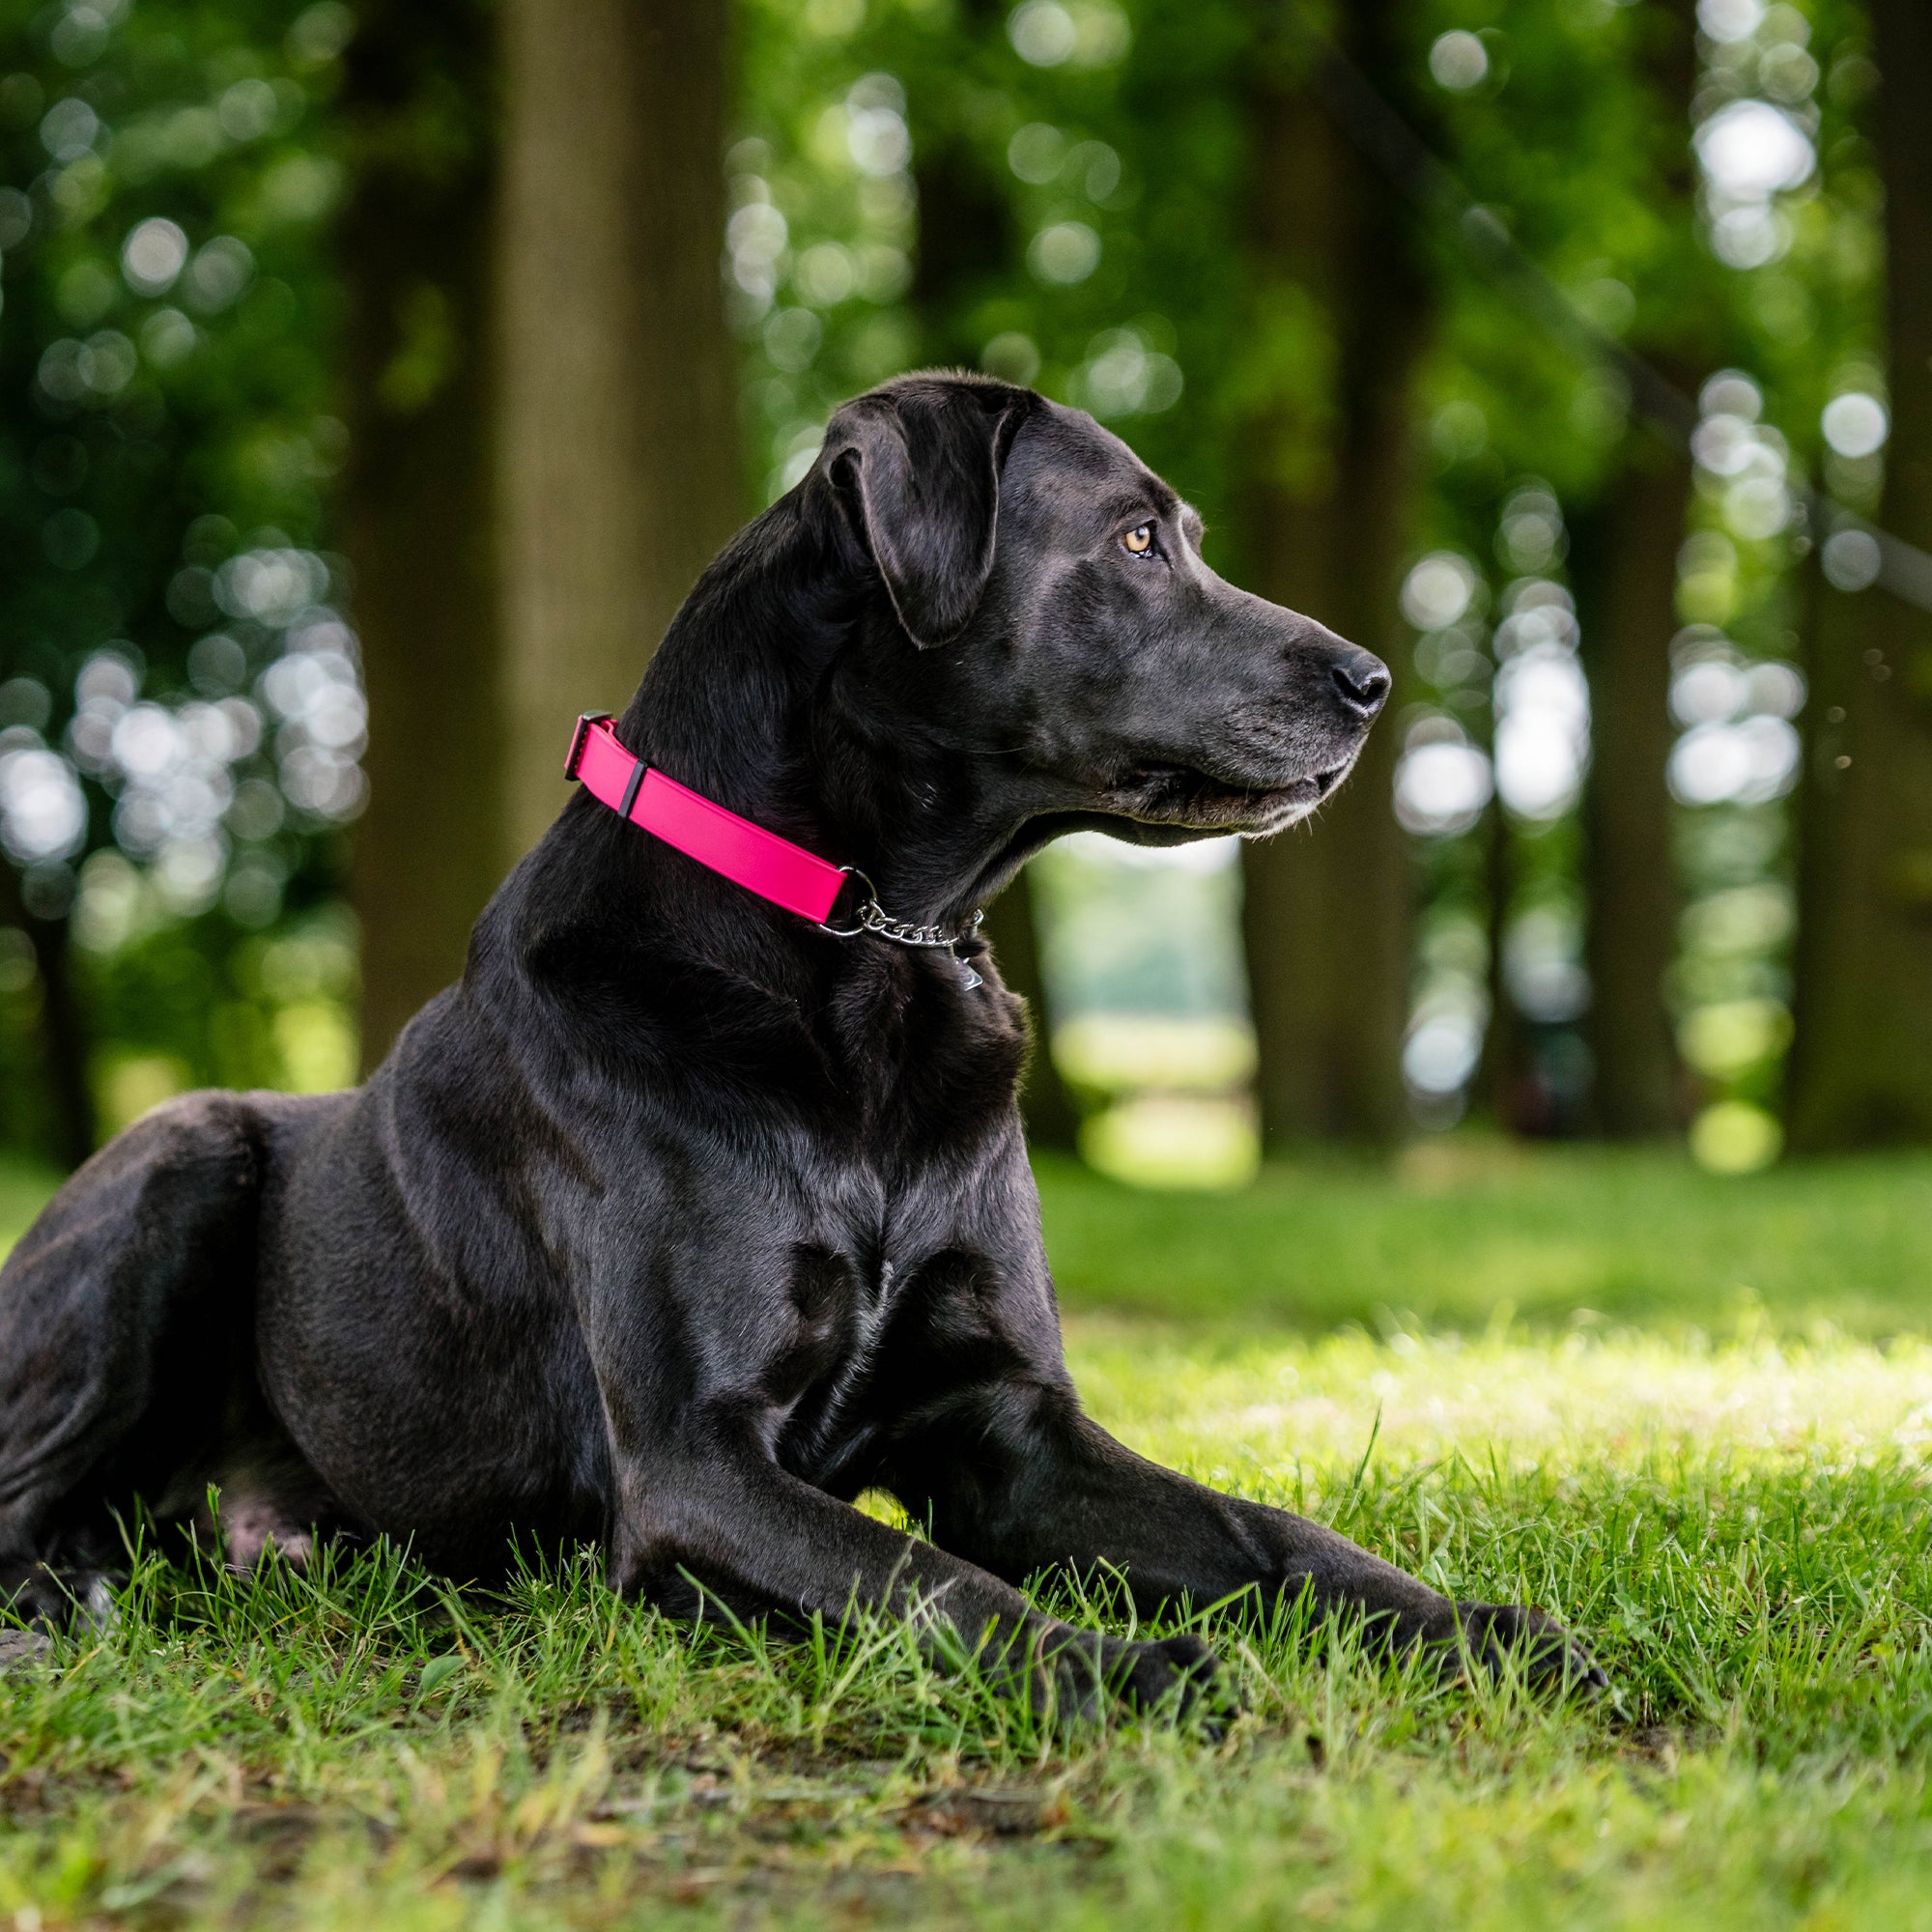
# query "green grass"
(1461, 1228)
(1727, 1493)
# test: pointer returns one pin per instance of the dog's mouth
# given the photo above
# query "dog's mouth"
(1184, 795)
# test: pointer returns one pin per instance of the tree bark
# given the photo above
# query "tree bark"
(967, 243)
(64, 1032)
(1328, 906)
(1862, 1066)
(1013, 930)
(621, 474)
(1496, 1093)
(1622, 563)
(417, 512)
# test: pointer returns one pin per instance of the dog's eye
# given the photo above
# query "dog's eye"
(1139, 540)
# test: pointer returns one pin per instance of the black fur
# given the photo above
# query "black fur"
(679, 1222)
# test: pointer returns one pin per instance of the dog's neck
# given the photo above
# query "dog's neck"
(750, 702)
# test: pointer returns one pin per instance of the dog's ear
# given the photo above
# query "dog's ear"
(918, 468)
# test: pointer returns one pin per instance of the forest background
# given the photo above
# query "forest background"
(375, 382)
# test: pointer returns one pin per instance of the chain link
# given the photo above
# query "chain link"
(869, 916)
(874, 919)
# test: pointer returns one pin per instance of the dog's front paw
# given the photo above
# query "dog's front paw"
(1490, 1637)
(1084, 1671)
(1179, 1673)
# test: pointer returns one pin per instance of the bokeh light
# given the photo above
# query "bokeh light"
(1459, 60)
(1855, 424)
(1438, 590)
(1541, 703)
(1442, 781)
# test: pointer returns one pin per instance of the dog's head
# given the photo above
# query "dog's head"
(1064, 628)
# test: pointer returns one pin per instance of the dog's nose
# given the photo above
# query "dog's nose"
(1363, 682)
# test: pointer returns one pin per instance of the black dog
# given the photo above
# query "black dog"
(680, 1220)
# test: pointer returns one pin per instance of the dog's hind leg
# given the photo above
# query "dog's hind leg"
(124, 1313)
(266, 1497)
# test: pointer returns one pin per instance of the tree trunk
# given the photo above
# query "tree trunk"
(416, 514)
(1013, 930)
(621, 474)
(1326, 530)
(1862, 1068)
(62, 1030)
(1496, 1093)
(1623, 562)
(967, 243)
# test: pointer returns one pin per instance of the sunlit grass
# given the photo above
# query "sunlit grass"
(1247, 1412)
(1132, 1053)
(1174, 1140)
(1167, 1099)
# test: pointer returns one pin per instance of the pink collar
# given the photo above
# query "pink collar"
(746, 854)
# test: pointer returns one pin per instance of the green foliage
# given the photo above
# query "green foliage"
(165, 371)
(998, 135)
(171, 633)
(1057, 201)
(1058, 192)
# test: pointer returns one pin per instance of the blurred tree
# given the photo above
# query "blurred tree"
(1496, 1086)
(69, 1133)
(1575, 129)
(179, 718)
(416, 509)
(620, 461)
(1543, 123)
(968, 247)
(1339, 307)
(1013, 930)
(1623, 561)
(1623, 564)
(1862, 1066)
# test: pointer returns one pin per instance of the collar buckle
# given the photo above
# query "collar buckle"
(580, 737)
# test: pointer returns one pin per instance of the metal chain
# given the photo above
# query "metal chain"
(874, 919)
(871, 917)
